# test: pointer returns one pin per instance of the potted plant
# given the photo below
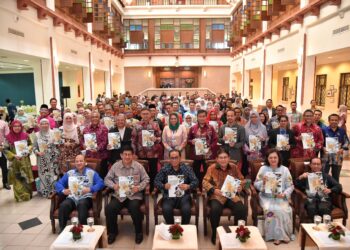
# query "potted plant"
(176, 231)
(336, 231)
(76, 232)
(242, 233)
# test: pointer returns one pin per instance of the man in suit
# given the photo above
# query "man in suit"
(269, 109)
(125, 136)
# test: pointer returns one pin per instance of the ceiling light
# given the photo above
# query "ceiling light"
(330, 57)
(25, 60)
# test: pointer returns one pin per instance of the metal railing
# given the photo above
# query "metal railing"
(177, 2)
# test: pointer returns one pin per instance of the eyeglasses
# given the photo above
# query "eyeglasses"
(174, 158)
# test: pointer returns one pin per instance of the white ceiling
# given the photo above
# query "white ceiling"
(11, 62)
(289, 65)
(336, 56)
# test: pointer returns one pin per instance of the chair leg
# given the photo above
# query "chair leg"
(147, 224)
(196, 217)
(155, 218)
(255, 220)
(122, 217)
(229, 217)
(205, 225)
(344, 222)
(294, 218)
(53, 226)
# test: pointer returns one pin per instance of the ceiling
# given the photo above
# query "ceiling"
(11, 62)
(288, 65)
(333, 57)
(68, 67)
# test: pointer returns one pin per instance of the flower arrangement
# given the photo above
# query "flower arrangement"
(336, 231)
(76, 231)
(176, 231)
(242, 233)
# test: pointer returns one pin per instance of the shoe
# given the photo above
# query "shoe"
(213, 239)
(139, 238)
(111, 238)
(276, 242)
(7, 186)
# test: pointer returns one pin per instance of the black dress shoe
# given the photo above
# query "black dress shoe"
(213, 239)
(111, 238)
(139, 238)
(7, 186)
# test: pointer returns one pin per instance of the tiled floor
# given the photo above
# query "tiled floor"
(40, 237)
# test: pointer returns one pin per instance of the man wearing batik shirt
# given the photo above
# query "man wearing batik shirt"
(294, 116)
(182, 202)
(334, 159)
(204, 132)
(307, 126)
(101, 132)
(273, 122)
(146, 138)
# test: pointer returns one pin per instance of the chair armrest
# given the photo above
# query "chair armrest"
(97, 203)
(301, 196)
(346, 195)
(105, 194)
(147, 190)
(253, 192)
(146, 197)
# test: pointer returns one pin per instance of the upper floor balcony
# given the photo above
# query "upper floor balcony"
(174, 2)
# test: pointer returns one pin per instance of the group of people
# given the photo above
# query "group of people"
(211, 127)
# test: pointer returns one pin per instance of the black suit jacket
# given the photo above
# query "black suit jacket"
(273, 111)
(273, 141)
(126, 140)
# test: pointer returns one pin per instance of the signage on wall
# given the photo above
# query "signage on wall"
(340, 30)
(281, 50)
(73, 51)
(331, 91)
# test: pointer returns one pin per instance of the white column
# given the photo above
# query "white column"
(46, 77)
(38, 85)
(87, 87)
(246, 81)
(268, 82)
(108, 83)
(310, 69)
(50, 4)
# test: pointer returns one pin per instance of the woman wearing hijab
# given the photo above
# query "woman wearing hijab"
(21, 116)
(47, 158)
(343, 113)
(70, 147)
(174, 136)
(214, 120)
(20, 171)
(256, 136)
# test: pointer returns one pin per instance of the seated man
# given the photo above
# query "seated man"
(212, 183)
(182, 200)
(88, 182)
(318, 203)
(126, 167)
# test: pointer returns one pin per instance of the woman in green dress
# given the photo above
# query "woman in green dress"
(20, 170)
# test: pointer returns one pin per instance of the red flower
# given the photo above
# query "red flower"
(176, 229)
(77, 229)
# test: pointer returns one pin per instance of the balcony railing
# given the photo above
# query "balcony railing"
(176, 2)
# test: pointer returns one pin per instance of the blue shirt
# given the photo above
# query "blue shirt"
(338, 133)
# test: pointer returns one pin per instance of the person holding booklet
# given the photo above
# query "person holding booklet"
(232, 137)
(282, 139)
(128, 179)
(336, 141)
(17, 150)
(318, 187)
(77, 185)
(174, 136)
(308, 137)
(44, 113)
(275, 186)
(213, 183)
(47, 158)
(120, 133)
(175, 180)
(4, 130)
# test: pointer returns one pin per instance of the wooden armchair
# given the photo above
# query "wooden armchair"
(107, 193)
(257, 210)
(226, 211)
(57, 199)
(157, 203)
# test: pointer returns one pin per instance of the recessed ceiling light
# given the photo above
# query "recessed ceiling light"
(25, 60)
(330, 57)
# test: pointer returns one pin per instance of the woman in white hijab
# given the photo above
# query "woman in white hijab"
(47, 159)
(343, 114)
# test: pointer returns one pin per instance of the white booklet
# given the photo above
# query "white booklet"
(231, 134)
(74, 185)
(147, 136)
(109, 122)
(90, 141)
(80, 119)
(308, 140)
(282, 141)
(332, 145)
(57, 136)
(273, 184)
(125, 185)
(230, 186)
(275, 124)
(254, 143)
(315, 181)
(43, 146)
(21, 148)
(175, 181)
(30, 121)
(215, 125)
(200, 146)
(114, 140)
(57, 115)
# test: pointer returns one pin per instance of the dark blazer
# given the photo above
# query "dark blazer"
(126, 140)
(273, 142)
(273, 112)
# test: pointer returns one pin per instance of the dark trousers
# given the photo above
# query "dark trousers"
(113, 209)
(152, 171)
(68, 205)
(183, 203)
(197, 170)
(317, 207)
(3, 164)
(103, 168)
(335, 170)
(239, 211)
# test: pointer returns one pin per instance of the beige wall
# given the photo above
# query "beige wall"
(237, 82)
(277, 83)
(73, 79)
(116, 83)
(137, 79)
(255, 75)
(99, 82)
(217, 79)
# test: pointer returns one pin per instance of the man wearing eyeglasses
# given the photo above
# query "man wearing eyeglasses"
(178, 195)
(44, 113)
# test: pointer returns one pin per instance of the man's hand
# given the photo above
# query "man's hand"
(39, 153)
(86, 190)
(167, 186)
(303, 176)
(67, 191)
(135, 189)
(281, 196)
(184, 187)
(239, 188)
(218, 192)
(116, 187)
(264, 179)
(109, 146)
(327, 191)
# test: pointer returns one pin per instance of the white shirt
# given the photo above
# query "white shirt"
(121, 132)
(269, 111)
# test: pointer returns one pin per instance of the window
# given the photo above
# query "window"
(344, 89)
(285, 87)
(136, 34)
(320, 92)
(217, 33)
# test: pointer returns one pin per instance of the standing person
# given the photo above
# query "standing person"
(239, 118)
(147, 147)
(277, 211)
(269, 109)
(214, 120)
(125, 135)
(11, 109)
(3, 115)
(313, 105)
(294, 115)
(318, 119)
(21, 116)
(153, 110)
(234, 146)
(4, 130)
(282, 130)
(307, 126)
(47, 158)
(205, 133)
(126, 167)
(192, 111)
(334, 160)
(274, 121)
(174, 136)
(101, 133)
(343, 114)
(20, 173)
(70, 146)
(44, 113)
(263, 118)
